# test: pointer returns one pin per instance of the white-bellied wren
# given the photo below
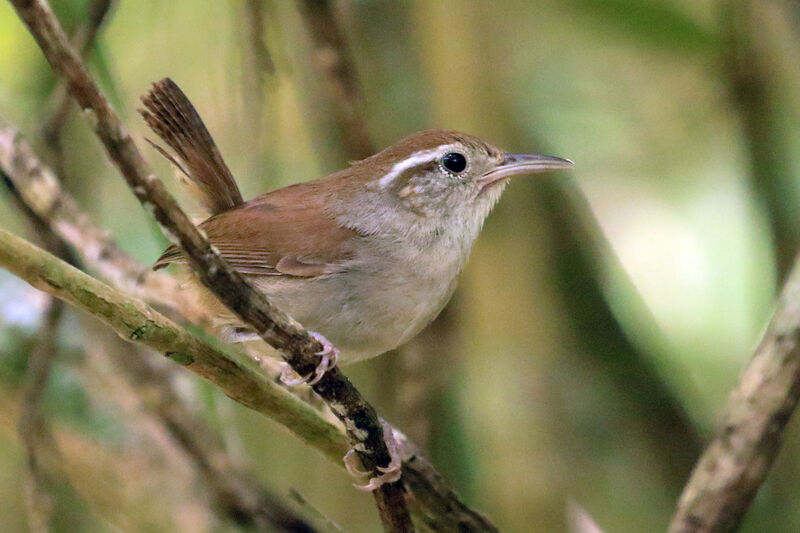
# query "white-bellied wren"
(367, 256)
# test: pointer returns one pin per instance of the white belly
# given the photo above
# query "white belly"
(379, 302)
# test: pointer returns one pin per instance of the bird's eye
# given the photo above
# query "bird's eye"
(454, 162)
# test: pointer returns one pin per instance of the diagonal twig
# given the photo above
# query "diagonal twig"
(236, 492)
(736, 462)
(233, 372)
(275, 327)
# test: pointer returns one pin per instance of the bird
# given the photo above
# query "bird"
(366, 257)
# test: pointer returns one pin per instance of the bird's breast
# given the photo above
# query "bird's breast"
(387, 293)
(396, 291)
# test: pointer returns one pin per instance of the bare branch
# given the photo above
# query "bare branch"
(251, 306)
(736, 462)
(236, 374)
(236, 493)
(435, 503)
(332, 59)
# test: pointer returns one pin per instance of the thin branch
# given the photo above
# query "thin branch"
(251, 306)
(736, 462)
(332, 59)
(434, 502)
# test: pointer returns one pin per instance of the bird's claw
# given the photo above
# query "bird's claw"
(330, 358)
(287, 379)
(351, 464)
(390, 473)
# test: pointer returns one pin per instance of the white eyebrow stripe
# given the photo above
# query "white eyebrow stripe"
(422, 156)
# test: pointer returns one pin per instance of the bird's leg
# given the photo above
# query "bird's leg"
(390, 473)
(330, 357)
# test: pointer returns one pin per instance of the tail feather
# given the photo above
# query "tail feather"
(171, 115)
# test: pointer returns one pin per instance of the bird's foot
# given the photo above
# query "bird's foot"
(389, 473)
(330, 357)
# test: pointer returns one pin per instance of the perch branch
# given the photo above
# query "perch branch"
(300, 350)
(236, 493)
(235, 374)
(736, 462)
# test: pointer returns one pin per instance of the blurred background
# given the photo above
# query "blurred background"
(604, 314)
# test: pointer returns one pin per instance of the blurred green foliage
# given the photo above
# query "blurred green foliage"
(524, 411)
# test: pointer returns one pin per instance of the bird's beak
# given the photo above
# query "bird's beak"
(514, 164)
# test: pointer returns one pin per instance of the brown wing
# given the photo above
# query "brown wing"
(284, 232)
(172, 116)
